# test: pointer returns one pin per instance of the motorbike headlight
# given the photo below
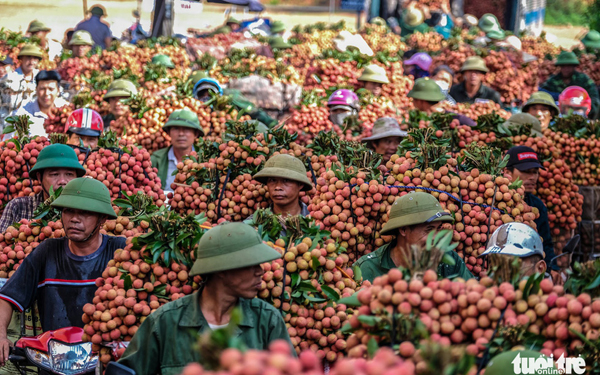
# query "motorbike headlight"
(40, 358)
(72, 359)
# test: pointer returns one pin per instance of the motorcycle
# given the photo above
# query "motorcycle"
(57, 352)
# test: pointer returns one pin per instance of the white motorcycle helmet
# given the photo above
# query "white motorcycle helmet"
(516, 239)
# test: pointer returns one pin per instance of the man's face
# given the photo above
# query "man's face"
(282, 191)
(5, 69)
(423, 105)
(409, 70)
(80, 51)
(47, 92)
(80, 224)
(242, 282)
(41, 34)
(532, 265)
(57, 177)
(443, 76)
(29, 64)
(117, 108)
(87, 140)
(529, 178)
(387, 146)
(417, 234)
(566, 71)
(473, 77)
(233, 26)
(182, 138)
(542, 113)
(374, 87)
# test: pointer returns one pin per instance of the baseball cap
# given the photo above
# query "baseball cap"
(523, 158)
(6, 61)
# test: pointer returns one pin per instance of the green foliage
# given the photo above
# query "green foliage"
(135, 206)
(488, 160)
(584, 278)
(45, 212)
(593, 15)
(428, 150)
(212, 343)
(564, 12)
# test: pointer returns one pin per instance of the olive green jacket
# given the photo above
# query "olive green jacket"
(166, 342)
(379, 263)
(160, 161)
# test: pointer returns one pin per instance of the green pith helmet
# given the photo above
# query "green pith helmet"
(31, 50)
(502, 364)
(98, 10)
(374, 73)
(198, 75)
(230, 246)
(284, 166)
(184, 118)
(378, 21)
(474, 63)
(81, 38)
(427, 89)
(279, 43)
(163, 60)
(277, 27)
(120, 88)
(414, 208)
(36, 26)
(591, 40)
(413, 17)
(57, 156)
(496, 34)
(544, 98)
(566, 58)
(519, 119)
(489, 22)
(86, 194)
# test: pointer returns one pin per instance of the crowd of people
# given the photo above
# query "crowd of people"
(230, 254)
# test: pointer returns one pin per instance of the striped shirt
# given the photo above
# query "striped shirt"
(60, 281)
(19, 209)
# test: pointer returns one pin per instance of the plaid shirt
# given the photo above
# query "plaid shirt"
(18, 209)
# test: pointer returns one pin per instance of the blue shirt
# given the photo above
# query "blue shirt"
(99, 30)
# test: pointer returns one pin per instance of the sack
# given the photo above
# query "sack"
(266, 95)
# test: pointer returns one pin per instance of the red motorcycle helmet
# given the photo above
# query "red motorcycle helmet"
(574, 97)
(85, 121)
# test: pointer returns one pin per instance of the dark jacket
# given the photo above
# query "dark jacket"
(543, 228)
(459, 93)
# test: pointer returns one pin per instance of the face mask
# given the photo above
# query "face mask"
(338, 119)
(443, 85)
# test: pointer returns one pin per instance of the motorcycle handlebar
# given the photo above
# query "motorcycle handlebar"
(115, 368)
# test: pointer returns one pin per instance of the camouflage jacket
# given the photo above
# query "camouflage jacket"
(555, 85)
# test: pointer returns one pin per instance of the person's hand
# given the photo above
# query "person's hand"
(5, 345)
(557, 277)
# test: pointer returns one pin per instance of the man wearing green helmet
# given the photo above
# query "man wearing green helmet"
(229, 260)
(184, 129)
(542, 106)
(118, 90)
(18, 86)
(60, 274)
(81, 43)
(231, 25)
(56, 165)
(39, 30)
(285, 177)
(373, 78)
(471, 89)
(412, 217)
(568, 63)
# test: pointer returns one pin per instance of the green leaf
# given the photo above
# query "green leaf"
(330, 293)
(448, 259)
(593, 284)
(372, 347)
(351, 301)
(295, 279)
(357, 273)
(315, 263)
(8, 129)
(127, 282)
(314, 299)
(369, 320)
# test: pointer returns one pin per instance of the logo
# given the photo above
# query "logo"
(546, 365)
(527, 155)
